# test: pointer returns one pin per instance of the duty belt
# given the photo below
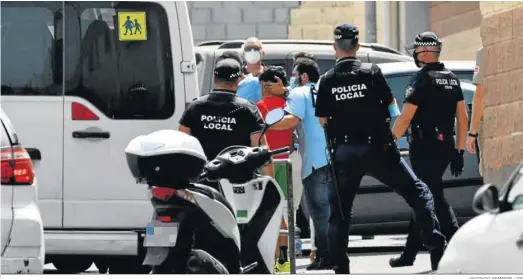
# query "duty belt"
(341, 139)
(417, 132)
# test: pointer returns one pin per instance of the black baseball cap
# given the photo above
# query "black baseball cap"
(347, 31)
(228, 69)
(425, 39)
(231, 54)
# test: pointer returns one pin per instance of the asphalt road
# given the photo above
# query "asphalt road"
(367, 257)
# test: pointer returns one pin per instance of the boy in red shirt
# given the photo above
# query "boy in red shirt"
(277, 139)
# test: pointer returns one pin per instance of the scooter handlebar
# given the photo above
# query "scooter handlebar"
(280, 151)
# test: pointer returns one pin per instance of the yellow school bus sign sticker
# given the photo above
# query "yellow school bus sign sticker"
(132, 26)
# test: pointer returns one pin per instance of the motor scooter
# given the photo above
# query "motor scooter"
(195, 228)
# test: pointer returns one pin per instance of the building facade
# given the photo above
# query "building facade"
(502, 38)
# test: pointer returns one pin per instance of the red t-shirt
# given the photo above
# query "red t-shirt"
(275, 138)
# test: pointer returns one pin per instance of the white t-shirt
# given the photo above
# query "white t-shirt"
(476, 79)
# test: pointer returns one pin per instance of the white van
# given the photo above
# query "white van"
(79, 81)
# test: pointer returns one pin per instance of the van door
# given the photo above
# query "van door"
(122, 80)
(32, 92)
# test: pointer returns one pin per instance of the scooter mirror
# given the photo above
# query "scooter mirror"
(274, 116)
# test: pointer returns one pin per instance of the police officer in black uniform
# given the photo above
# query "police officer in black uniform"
(433, 101)
(221, 119)
(352, 102)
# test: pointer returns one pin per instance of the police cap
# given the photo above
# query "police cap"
(426, 39)
(347, 31)
(227, 69)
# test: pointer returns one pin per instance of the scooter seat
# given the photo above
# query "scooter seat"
(214, 194)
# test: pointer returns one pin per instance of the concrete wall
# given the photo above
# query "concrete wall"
(228, 20)
(223, 20)
(502, 37)
(413, 17)
(457, 24)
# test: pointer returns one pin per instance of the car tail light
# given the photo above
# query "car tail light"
(81, 112)
(163, 219)
(17, 167)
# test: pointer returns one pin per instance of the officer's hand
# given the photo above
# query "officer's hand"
(471, 145)
(457, 164)
(274, 88)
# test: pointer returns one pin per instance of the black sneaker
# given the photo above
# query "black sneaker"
(435, 257)
(315, 264)
(401, 261)
(321, 264)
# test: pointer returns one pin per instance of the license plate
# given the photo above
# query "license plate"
(161, 235)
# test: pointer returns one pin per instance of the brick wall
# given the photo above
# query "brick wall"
(502, 37)
(229, 20)
(316, 20)
(458, 26)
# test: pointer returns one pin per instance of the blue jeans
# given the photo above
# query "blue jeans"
(317, 189)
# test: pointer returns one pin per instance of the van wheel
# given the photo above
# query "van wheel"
(128, 265)
(102, 265)
(72, 264)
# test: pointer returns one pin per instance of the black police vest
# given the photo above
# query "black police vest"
(223, 121)
(358, 113)
(437, 112)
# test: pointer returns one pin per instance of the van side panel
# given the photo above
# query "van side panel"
(32, 92)
(39, 124)
(185, 40)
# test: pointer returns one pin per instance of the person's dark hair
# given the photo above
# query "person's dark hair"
(305, 54)
(224, 81)
(232, 55)
(310, 67)
(274, 71)
(346, 45)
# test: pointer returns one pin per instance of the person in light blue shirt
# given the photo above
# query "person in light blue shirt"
(316, 175)
(250, 89)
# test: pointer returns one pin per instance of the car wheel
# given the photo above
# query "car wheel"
(72, 264)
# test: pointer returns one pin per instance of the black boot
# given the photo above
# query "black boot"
(402, 261)
(339, 270)
(435, 257)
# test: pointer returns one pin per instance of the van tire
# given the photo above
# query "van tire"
(72, 264)
(129, 265)
(102, 265)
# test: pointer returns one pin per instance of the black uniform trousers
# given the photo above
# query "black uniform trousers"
(353, 161)
(429, 159)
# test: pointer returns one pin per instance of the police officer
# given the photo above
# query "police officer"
(352, 102)
(433, 101)
(221, 119)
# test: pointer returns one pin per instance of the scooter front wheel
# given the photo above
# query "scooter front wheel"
(201, 262)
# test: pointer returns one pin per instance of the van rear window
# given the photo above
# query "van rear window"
(31, 48)
(118, 57)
